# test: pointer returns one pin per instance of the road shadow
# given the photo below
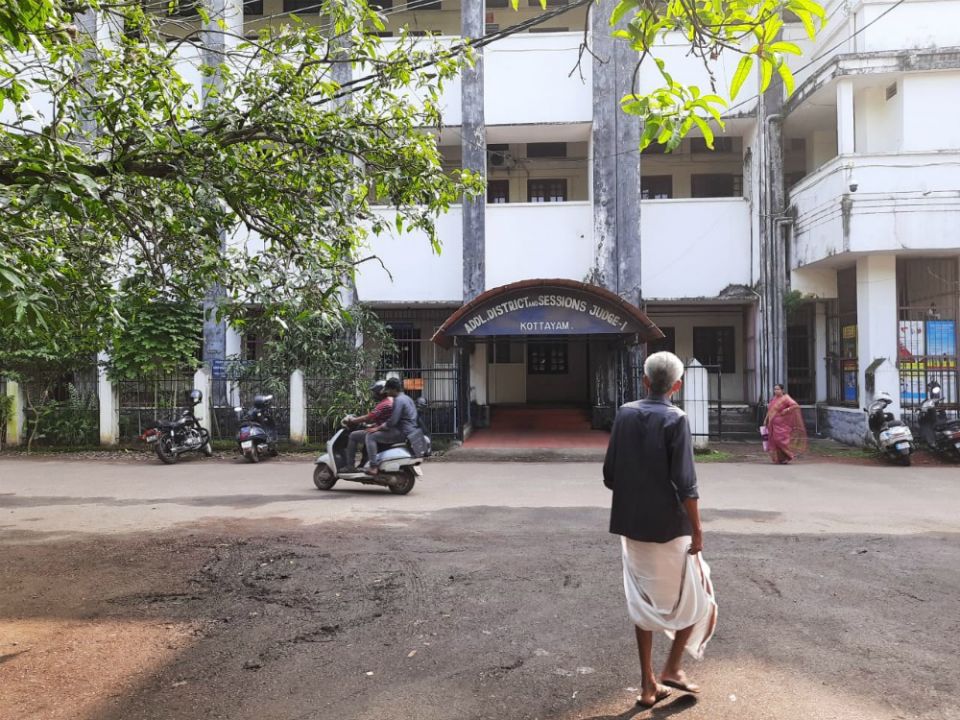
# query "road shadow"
(661, 710)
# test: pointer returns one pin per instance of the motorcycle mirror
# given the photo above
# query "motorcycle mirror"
(238, 409)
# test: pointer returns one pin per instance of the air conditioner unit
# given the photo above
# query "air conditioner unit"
(500, 159)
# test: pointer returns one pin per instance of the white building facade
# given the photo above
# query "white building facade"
(816, 245)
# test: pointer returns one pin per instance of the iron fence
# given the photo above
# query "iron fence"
(916, 373)
(142, 401)
(439, 388)
(62, 408)
(237, 388)
(327, 402)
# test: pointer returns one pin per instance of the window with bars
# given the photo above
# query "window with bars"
(539, 191)
(547, 358)
(498, 191)
(547, 150)
(720, 145)
(716, 185)
(406, 354)
(715, 346)
(301, 6)
(656, 187)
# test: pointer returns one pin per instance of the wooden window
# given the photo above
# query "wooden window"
(498, 191)
(715, 346)
(656, 187)
(550, 3)
(547, 150)
(716, 185)
(547, 358)
(381, 4)
(546, 190)
(253, 7)
(498, 3)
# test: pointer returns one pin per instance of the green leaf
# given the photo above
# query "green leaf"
(705, 129)
(766, 73)
(740, 76)
(622, 8)
(787, 76)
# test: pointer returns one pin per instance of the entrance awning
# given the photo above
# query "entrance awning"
(547, 307)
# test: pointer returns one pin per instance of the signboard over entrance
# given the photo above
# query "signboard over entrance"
(547, 307)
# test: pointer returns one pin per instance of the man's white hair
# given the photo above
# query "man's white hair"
(663, 369)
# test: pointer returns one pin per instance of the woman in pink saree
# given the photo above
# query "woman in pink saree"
(787, 435)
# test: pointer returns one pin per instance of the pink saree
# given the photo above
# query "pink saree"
(787, 433)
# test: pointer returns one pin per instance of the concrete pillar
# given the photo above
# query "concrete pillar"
(298, 408)
(846, 136)
(109, 398)
(696, 402)
(219, 36)
(820, 352)
(615, 145)
(202, 381)
(17, 420)
(877, 326)
(473, 140)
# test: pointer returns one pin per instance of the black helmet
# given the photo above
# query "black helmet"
(393, 384)
(196, 396)
(377, 388)
(261, 401)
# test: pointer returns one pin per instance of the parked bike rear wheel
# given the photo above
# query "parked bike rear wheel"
(406, 482)
(165, 449)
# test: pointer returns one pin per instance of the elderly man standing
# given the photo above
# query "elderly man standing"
(649, 467)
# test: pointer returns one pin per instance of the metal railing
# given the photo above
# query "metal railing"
(915, 375)
(141, 401)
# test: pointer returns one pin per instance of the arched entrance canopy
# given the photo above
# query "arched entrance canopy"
(547, 307)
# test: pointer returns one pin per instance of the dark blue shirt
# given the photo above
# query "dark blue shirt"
(404, 415)
(649, 467)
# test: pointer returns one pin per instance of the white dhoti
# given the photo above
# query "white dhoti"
(669, 589)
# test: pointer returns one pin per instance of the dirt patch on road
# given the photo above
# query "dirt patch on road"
(470, 614)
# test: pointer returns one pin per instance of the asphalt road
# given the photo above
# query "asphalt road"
(222, 590)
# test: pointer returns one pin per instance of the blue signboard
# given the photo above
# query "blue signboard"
(545, 312)
(941, 337)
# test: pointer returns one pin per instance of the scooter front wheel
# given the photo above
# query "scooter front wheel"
(904, 460)
(323, 477)
(251, 454)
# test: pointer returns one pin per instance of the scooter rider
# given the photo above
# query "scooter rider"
(376, 417)
(401, 425)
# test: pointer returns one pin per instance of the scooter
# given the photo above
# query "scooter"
(891, 436)
(173, 438)
(399, 464)
(937, 432)
(258, 432)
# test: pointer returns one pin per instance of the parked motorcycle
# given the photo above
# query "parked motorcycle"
(173, 438)
(399, 463)
(937, 432)
(891, 436)
(258, 432)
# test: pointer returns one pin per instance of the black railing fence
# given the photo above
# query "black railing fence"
(144, 400)
(238, 389)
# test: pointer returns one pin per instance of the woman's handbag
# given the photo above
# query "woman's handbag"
(764, 434)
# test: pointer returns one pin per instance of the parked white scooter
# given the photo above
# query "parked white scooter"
(893, 438)
(399, 465)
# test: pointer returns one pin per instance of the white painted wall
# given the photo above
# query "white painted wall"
(538, 240)
(527, 80)
(878, 122)
(929, 116)
(907, 201)
(694, 248)
(914, 24)
(419, 275)
(877, 326)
